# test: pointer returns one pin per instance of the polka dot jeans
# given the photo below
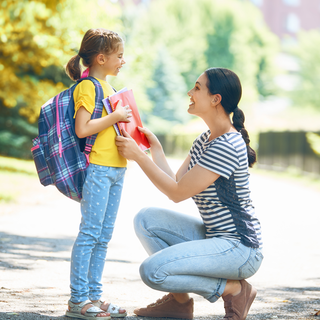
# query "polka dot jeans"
(99, 207)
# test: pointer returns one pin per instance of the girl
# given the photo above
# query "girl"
(210, 257)
(102, 53)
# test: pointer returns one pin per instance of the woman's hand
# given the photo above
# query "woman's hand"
(152, 139)
(124, 113)
(127, 147)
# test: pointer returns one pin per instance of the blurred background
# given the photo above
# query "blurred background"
(273, 46)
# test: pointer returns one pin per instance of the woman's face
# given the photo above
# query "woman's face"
(200, 97)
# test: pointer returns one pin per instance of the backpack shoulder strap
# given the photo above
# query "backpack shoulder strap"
(87, 143)
(97, 112)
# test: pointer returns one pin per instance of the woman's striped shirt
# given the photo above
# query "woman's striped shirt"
(225, 206)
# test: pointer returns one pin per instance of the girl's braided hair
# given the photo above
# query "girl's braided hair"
(95, 41)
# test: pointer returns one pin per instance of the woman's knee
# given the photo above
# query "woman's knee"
(147, 274)
(141, 218)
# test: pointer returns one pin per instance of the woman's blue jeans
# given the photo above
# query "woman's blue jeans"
(99, 207)
(182, 260)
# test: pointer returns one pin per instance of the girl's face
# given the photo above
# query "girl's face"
(115, 61)
(200, 97)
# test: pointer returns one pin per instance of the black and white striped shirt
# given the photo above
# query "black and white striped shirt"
(225, 206)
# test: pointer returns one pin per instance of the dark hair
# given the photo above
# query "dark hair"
(226, 83)
(95, 41)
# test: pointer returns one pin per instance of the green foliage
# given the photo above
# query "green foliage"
(16, 133)
(37, 38)
(8, 164)
(307, 92)
(314, 141)
(15, 176)
(168, 45)
(243, 45)
(219, 41)
(198, 35)
(167, 92)
(36, 35)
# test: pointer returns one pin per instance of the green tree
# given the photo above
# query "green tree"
(198, 35)
(37, 38)
(307, 93)
(242, 44)
(168, 93)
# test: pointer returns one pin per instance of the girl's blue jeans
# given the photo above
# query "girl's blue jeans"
(99, 206)
(182, 260)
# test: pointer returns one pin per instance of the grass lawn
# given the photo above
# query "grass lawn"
(16, 176)
(291, 175)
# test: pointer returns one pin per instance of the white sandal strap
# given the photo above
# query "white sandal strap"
(94, 310)
(80, 305)
(97, 303)
(113, 308)
(91, 312)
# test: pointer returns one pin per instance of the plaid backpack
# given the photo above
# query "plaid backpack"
(61, 158)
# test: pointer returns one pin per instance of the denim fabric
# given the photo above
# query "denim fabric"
(183, 260)
(99, 207)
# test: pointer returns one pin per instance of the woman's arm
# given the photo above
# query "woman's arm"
(183, 169)
(85, 127)
(189, 183)
(157, 152)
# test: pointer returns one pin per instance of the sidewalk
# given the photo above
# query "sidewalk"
(37, 234)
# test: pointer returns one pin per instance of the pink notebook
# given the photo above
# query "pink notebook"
(131, 127)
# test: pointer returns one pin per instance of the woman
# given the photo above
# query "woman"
(210, 257)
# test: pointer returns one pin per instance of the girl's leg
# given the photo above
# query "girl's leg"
(93, 208)
(98, 256)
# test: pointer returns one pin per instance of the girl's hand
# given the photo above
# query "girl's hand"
(127, 147)
(124, 113)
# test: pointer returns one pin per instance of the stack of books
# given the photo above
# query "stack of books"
(127, 97)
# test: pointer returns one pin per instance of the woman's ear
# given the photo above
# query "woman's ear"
(216, 99)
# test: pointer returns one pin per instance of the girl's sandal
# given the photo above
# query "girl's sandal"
(75, 311)
(112, 309)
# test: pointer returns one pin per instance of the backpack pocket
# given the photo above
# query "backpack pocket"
(41, 164)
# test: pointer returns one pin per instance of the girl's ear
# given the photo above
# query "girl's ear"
(101, 59)
(216, 99)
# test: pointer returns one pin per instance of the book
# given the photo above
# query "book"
(127, 97)
(109, 110)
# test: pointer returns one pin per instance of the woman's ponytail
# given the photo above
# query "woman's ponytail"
(238, 119)
(73, 68)
(226, 83)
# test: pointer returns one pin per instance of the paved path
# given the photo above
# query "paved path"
(36, 236)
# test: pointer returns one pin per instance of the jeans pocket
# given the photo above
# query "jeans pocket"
(252, 265)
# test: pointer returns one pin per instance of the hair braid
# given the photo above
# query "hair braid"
(238, 119)
(95, 41)
(226, 83)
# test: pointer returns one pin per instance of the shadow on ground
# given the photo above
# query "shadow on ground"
(32, 248)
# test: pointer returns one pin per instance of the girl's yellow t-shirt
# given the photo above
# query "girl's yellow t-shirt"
(104, 151)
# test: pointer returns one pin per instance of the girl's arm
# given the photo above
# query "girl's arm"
(188, 184)
(85, 127)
